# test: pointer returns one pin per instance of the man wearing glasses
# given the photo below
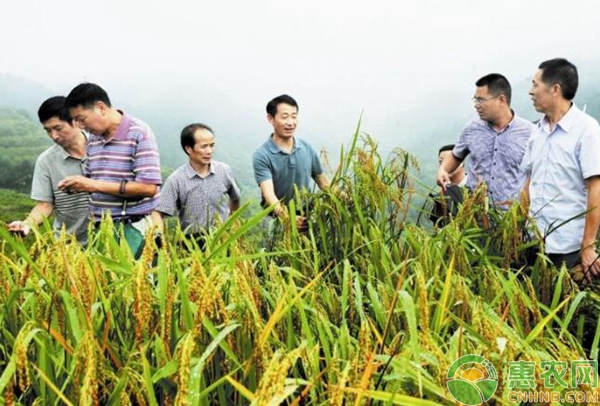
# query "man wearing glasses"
(496, 143)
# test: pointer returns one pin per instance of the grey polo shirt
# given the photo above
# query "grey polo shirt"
(198, 200)
(70, 209)
(270, 162)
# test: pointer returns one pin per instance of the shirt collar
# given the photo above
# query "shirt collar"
(514, 117)
(275, 149)
(65, 154)
(191, 172)
(565, 123)
(123, 128)
(510, 123)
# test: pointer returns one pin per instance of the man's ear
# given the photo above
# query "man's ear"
(188, 150)
(556, 89)
(270, 118)
(101, 107)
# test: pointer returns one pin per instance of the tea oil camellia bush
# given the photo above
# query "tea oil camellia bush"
(364, 308)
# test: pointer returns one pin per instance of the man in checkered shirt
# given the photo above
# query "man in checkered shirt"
(200, 190)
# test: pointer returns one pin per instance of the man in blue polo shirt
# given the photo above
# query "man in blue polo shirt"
(284, 161)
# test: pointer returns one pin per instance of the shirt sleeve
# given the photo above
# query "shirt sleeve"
(590, 151)
(262, 169)
(41, 186)
(526, 162)
(461, 148)
(146, 161)
(169, 196)
(233, 189)
(316, 168)
(85, 167)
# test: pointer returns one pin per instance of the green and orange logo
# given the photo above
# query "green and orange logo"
(472, 380)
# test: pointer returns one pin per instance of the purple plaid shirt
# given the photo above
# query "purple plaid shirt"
(495, 156)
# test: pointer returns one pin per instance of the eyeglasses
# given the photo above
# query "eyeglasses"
(480, 100)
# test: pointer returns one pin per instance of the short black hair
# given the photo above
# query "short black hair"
(54, 107)
(283, 99)
(562, 72)
(187, 134)
(448, 147)
(497, 84)
(86, 95)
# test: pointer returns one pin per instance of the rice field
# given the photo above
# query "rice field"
(366, 308)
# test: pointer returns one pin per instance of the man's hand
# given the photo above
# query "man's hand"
(590, 263)
(281, 213)
(443, 179)
(302, 224)
(19, 227)
(73, 184)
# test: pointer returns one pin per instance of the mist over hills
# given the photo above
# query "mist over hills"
(21, 93)
(419, 123)
(21, 141)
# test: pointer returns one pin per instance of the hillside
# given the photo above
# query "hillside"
(14, 205)
(21, 141)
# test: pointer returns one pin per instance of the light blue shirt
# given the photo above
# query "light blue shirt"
(495, 156)
(558, 162)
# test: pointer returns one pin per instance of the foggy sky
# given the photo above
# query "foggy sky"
(396, 61)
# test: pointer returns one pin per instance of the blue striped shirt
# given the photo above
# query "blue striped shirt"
(495, 157)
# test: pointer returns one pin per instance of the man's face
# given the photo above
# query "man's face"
(61, 132)
(91, 119)
(285, 120)
(201, 153)
(487, 105)
(443, 156)
(541, 94)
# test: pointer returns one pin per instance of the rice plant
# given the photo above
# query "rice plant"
(366, 307)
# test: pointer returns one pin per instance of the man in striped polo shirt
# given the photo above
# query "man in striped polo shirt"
(200, 190)
(122, 169)
(60, 160)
